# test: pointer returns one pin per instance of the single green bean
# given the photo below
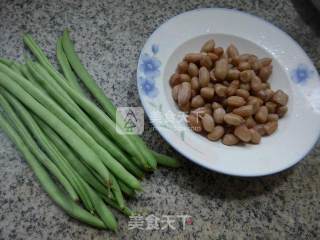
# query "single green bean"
(127, 190)
(65, 132)
(117, 192)
(165, 160)
(66, 68)
(48, 185)
(34, 148)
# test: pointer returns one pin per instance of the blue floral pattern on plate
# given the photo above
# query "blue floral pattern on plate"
(149, 70)
(301, 74)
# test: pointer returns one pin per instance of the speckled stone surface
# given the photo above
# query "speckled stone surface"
(109, 36)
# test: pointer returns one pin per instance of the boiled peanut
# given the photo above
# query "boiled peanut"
(244, 111)
(221, 69)
(216, 105)
(232, 51)
(265, 73)
(184, 94)
(244, 66)
(235, 83)
(216, 133)
(194, 123)
(220, 90)
(193, 70)
(193, 57)
(206, 62)
(193, 93)
(218, 115)
(255, 136)
(233, 119)
(197, 101)
(265, 61)
(195, 85)
(233, 74)
(174, 79)
(250, 122)
(268, 94)
(271, 127)
(207, 93)
(262, 115)
(182, 67)
(281, 111)
(231, 90)
(175, 91)
(208, 46)
(242, 93)
(204, 77)
(273, 117)
(218, 51)
(212, 76)
(272, 107)
(280, 98)
(246, 76)
(214, 57)
(256, 66)
(245, 86)
(244, 57)
(255, 102)
(235, 101)
(185, 77)
(260, 129)
(252, 59)
(207, 122)
(185, 108)
(243, 133)
(230, 139)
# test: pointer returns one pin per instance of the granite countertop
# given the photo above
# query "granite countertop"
(109, 36)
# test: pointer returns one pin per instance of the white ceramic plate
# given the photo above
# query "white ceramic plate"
(293, 72)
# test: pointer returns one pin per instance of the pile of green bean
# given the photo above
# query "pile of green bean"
(79, 157)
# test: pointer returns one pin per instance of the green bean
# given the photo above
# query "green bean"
(165, 160)
(117, 192)
(127, 211)
(71, 157)
(50, 149)
(27, 74)
(124, 141)
(6, 61)
(85, 76)
(63, 98)
(106, 104)
(65, 132)
(66, 68)
(127, 190)
(48, 185)
(34, 148)
(101, 209)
